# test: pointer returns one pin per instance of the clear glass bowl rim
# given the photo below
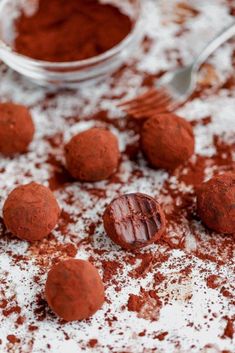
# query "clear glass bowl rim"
(79, 63)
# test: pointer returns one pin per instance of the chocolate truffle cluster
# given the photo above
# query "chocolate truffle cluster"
(74, 289)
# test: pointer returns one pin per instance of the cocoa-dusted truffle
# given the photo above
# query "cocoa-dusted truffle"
(16, 128)
(74, 290)
(216, 203)
(167, 141)
(92, 155)
(134, 221)
(31, 211)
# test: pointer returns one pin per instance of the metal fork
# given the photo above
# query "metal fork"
(174, 87)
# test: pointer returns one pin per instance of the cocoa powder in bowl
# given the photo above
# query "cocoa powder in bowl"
(16, 128)
(216, 203)
(31, 212)
(92, 155)
(74, 290)
(63, 31)
(167, 141)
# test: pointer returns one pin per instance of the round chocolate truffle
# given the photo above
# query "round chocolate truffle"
(31, 212)
(216, 203)
(167, 141)
(92, 155)
(134, 221)
(74, 290)
(16, 128)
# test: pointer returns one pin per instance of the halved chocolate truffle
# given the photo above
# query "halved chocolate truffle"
(74, 289)
(134, 221)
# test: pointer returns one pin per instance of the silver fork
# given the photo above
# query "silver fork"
(174, 87)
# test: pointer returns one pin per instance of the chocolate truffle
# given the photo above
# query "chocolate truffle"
(92, 155)
(134, 221)
(74, 290)
(16, 128)
(216, 203)
(31, 212)
(167, 141)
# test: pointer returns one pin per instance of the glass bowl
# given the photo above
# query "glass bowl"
(67, 74)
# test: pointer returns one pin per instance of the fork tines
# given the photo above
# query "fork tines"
(148, 104)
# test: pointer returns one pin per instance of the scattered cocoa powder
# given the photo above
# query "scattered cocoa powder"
(92, 343)
(213, 281)
(13, 339)
(11, 310)
(147, 305)
(33, 328)
(229, 330)
(161, 336)
(110, 269)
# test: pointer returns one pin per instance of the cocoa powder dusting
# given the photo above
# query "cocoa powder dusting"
(13, 339)
(229, 330)
(147, 305)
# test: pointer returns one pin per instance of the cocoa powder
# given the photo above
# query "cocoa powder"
(62, 31)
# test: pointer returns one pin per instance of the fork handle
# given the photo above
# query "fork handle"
(215, 43)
